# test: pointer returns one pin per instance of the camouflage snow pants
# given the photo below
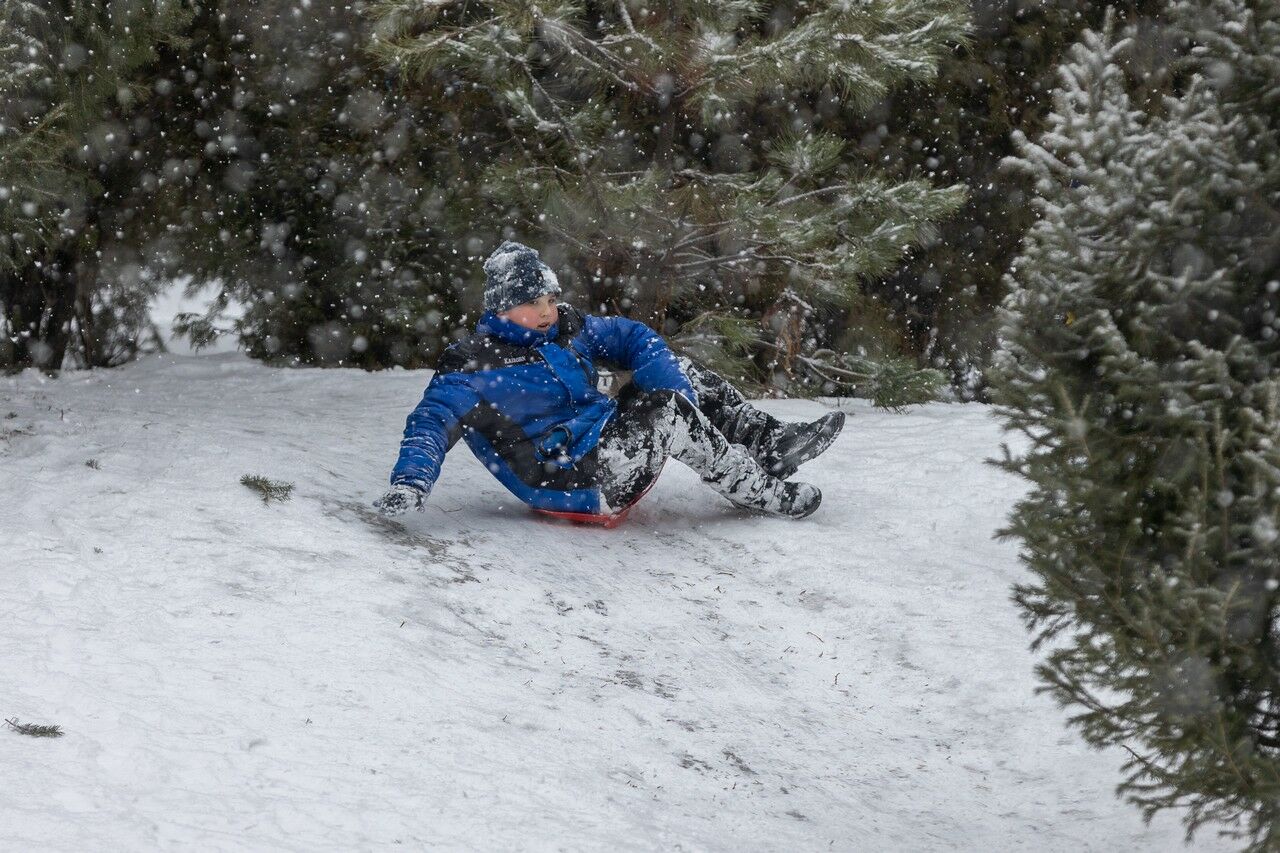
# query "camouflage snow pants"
(650, 427)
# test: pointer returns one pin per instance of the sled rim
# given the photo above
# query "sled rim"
(605, 521)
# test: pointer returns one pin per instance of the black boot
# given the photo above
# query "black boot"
(796, 444)
(650, 426)
(800, 499)
(778, 446)
(731, 470)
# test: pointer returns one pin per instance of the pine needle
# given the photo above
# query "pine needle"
(269, 489)
(33, 730)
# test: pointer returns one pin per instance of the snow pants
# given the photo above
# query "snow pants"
(650, 427)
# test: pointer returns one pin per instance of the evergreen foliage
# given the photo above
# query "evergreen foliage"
(270, 490)
(655, 149)
(1139, 358)
(309, 194)
(34, 729)
(940, 306)
(723, 343)
(72, 78)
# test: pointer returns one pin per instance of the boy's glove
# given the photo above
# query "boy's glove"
(400, 500)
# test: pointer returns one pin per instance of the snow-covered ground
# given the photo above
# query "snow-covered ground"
(305, 676)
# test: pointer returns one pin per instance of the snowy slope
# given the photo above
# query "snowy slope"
(304, 676)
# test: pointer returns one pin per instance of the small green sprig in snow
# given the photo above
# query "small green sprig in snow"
(269, 489)
(33, 730)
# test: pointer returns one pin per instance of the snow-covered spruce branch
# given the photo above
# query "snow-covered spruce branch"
(581, 156)
(827, 371)
(747, 257)
(567, 37)
(698, 232)
(524, 107)
(731, 181)
(811, 193)
(420, 56)
(632, 32)
(571, 239)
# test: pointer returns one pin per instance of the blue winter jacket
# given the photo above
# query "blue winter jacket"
(527, 405)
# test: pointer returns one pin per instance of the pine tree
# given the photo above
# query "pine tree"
(655, 151)
(1139, 359)
(71, 79)
(316, 200)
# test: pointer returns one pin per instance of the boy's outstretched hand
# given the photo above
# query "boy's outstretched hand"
(400, 500)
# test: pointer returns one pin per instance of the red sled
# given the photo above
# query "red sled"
(608, 522)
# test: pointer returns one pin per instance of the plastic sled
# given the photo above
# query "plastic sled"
(607, 521)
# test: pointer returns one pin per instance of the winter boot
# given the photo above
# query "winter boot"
(737, 476)
(800, 499)
(730, 469)
(796, 444)
(779, 446)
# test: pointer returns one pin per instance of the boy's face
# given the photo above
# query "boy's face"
(538, 315)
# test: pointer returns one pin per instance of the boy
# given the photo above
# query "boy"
(522, 393)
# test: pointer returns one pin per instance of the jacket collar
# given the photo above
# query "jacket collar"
(491, 324)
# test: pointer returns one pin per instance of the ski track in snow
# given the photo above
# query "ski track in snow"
(307, 676)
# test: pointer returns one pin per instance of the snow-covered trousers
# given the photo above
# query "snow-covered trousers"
(730, 412)
(647, 428)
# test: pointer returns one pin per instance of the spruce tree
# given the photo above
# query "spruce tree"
(958, 127)
(1139, 359)
(655, 152)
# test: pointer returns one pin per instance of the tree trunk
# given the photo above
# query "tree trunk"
(18, 307)
(38, 304)
(24, 306)
(85, 275)
(86, 279)
(58, 288)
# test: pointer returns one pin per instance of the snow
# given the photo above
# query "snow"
(172, 301)
(306, 676)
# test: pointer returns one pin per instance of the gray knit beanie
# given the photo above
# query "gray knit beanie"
(513, 274)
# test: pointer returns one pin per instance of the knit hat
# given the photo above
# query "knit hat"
(513, 275)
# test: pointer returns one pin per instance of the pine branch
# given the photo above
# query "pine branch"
(34, 730)
(574, 42)
(269, 489)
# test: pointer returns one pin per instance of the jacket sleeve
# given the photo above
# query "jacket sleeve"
(636, 347)
(432, 428)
